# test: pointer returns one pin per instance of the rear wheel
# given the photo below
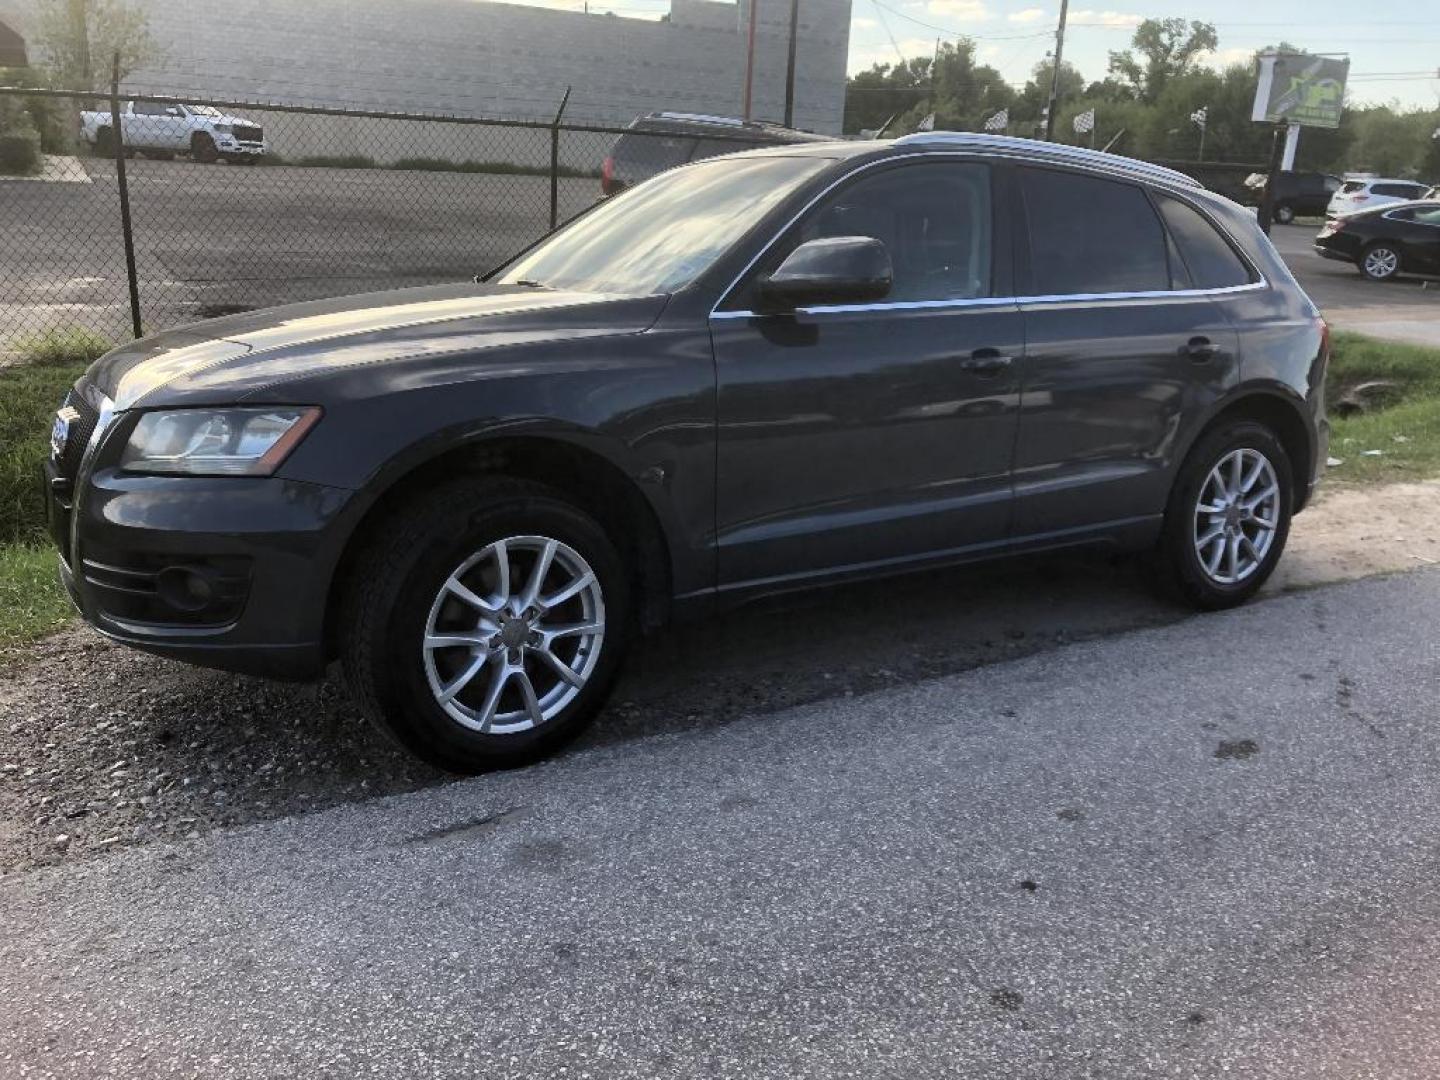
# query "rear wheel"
(486, 625)
(1284, 214)
(1380, 262)
(1228, 517)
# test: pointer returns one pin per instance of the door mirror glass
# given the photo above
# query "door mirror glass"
(832, 270)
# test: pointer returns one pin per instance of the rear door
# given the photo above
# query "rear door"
(1122, 349)
(858, 436)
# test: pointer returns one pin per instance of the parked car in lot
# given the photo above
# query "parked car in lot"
(1387, 241)
(1303, 193)
(1366, 194)
(663, 140)
(164, 130)
(763, 372)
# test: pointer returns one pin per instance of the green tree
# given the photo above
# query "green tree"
(1167, 49)
(78, 39)
(1034, 98)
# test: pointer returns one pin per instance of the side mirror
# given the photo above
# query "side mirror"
(173, 110)
(834, 270)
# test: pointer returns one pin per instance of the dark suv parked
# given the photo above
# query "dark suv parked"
(751, 374)
(1303, 193)
(663, 140)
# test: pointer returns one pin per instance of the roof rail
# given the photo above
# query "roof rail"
(703, 118)
(1036, 148)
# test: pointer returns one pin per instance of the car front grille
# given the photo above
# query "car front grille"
(248, 134)
(81, 429)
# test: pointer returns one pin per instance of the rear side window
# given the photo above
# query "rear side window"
(1398, 191)
(648, 154)
(1211, 260)
(1089, 235)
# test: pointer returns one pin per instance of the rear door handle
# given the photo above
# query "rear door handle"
(1200, 349)
(985, 362)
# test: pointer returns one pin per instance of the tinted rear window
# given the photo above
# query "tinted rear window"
(652, 153)
(1211, 260)
(1089, 235)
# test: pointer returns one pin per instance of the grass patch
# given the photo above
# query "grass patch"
(30, 392)
(32, 603)
(1403, 422)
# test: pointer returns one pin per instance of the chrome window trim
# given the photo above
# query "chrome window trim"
(990, 156)
(1009, 301)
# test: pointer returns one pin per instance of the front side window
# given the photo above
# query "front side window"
(1089, 235)
(661, 235)
(1211, 260)
(934, 219)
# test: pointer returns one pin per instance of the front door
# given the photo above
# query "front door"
(860, 436)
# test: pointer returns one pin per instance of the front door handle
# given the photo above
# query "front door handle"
(1200, 349)
(985, 362)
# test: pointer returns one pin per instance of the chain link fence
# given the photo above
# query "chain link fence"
(240, 205)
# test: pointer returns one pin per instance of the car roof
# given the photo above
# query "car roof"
(1007, 146)
(703, 124)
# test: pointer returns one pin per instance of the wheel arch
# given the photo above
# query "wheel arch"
(588, 477)
(1278, 408)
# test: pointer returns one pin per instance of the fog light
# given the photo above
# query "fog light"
(183, 588)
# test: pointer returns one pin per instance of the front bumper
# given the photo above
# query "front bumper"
(229, 572)
(232, 147)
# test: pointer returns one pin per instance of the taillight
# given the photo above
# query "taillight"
(607, 176)
(1358, 198)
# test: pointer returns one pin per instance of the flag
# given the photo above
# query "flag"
(1198, 117)
(999, 122)
(1085, 122)
(928, 124)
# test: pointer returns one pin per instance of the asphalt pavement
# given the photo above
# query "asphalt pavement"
(1198, 850)
(1407, 309)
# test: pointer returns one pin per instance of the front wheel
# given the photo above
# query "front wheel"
(1284, 214)
(202, 149)
(1228, 516)
(1380, 262)
(486, 625)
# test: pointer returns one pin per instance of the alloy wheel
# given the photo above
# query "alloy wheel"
(1381, 262)
(1237, 516)
(514, 634)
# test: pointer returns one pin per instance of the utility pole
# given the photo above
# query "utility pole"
(750, 60)
(1055, 74)
(790, 64)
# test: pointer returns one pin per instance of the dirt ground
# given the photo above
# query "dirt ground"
(101, 747)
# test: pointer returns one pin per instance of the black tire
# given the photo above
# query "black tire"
(202, 149)
(1374, 263)
(387, 612)
(1284, 214)
(1179, 566)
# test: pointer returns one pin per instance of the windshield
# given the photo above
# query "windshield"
(203, 110)
(662, 235)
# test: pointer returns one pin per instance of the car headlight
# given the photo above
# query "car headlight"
(224, 129)
(216, 442)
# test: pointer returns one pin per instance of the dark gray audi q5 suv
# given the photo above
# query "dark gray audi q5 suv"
(756, 373)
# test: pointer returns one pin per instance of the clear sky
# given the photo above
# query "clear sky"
(1394, 45)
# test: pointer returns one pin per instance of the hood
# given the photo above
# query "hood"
(224, 360)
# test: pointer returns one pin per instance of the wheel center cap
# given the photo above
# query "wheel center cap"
(514, 633)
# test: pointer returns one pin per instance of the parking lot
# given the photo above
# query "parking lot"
(215, 238)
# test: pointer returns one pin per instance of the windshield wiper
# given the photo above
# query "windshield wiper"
(530, 283)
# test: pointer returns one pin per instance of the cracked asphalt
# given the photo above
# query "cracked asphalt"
(1199, 849)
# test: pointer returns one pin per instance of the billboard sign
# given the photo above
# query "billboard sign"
(1301, 89)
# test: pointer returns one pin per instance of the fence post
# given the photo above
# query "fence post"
(555, 162)
(117, 139)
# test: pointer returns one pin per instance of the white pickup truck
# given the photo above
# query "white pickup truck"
(162, 131)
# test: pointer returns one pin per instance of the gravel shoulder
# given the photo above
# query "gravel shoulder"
(103, 748)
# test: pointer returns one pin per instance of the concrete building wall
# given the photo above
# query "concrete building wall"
(478, 58)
